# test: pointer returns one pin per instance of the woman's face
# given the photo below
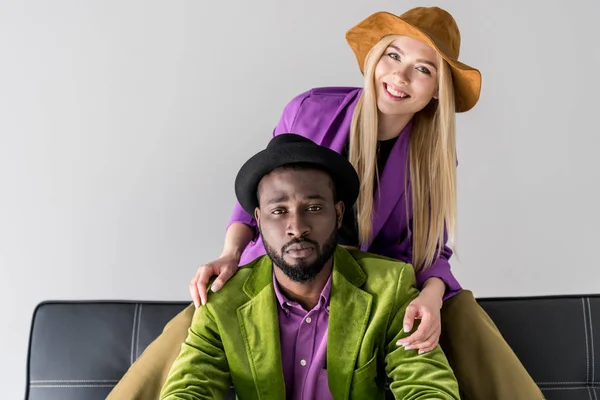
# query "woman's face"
(406, 77)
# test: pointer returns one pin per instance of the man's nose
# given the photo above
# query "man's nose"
(297, 226)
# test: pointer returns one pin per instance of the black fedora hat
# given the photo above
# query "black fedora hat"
(289, 148)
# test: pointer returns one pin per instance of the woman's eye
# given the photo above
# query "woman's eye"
(394, 56)
(424, 70)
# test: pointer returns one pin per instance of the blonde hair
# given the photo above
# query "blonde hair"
(432, 162)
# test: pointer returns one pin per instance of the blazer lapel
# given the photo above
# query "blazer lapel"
(391, 184)
(259, 324)
(350, 309)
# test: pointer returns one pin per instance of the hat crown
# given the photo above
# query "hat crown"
(290, 148)
(438, 24)
(287, 138)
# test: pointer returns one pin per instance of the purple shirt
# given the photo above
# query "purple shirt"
(324, 115)
(303, 338)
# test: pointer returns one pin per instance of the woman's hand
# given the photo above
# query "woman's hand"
(236, 239)
(225, 267)
(427, 308)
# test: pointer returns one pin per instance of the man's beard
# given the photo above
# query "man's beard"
(302, 271)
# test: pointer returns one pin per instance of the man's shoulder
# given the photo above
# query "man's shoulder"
(383, 269)
(372, 259)
(232, 293)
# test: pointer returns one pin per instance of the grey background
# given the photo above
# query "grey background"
(123, 124)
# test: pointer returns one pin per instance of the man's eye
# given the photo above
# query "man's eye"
(314, 208)
(277, 212)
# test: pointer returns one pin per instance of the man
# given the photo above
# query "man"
(310, 320)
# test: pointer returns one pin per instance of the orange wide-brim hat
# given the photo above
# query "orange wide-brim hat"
(430, 25)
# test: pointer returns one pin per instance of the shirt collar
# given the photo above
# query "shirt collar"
(285, 303)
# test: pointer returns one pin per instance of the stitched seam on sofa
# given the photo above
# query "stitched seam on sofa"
(72, 386)
(137, 336)
(587, 349)
(592, 339)
(568, 383)
(135, 311)
(74, 381)
(571, 388)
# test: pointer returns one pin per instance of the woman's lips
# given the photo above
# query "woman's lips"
(394, 93)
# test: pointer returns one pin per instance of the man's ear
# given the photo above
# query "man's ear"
(257, 216)
(339, 211)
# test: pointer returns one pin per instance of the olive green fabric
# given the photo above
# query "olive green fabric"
(484, 364)
(235, 338)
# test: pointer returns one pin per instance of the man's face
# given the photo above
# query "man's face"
(298, 219)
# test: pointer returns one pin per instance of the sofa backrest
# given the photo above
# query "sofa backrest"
(79, 350)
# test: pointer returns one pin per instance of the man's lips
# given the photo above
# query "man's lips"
(299, 250)
(299, 246)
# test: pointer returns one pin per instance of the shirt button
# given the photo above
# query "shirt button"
(308, 320)
(303, 362)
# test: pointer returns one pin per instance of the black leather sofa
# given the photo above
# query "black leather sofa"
(79, 350)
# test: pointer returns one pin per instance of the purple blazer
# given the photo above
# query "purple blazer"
(324, 115)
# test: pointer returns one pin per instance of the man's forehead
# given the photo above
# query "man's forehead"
(296, 177)
(310, 183)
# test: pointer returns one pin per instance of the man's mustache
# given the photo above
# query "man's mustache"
(298, 241)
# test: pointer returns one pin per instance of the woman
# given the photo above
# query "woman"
(399, 134)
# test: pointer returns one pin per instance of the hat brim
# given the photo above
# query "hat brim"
(366, 34)
(341, 171)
